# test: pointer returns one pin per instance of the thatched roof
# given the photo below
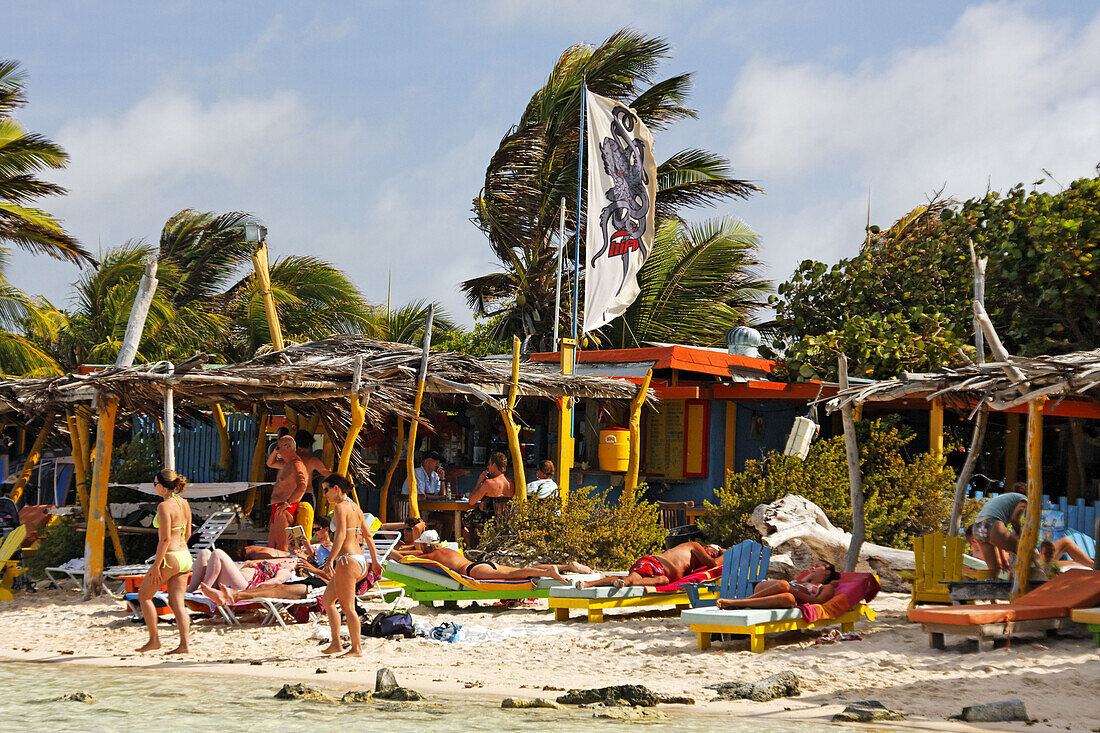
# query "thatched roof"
(320, 375)
(1001, 385)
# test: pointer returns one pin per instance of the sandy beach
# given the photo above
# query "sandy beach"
(1056, 678)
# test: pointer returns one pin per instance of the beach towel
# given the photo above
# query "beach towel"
(852, 589)
(467, 581)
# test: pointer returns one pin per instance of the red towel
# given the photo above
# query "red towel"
(707, 575)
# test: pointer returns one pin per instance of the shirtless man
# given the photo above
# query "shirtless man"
(668, 567)
(428, 547)
(492, 489)
(290, 487)
(303, 439)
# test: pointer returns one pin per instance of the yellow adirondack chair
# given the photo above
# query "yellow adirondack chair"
(938, 558)
(9, 569)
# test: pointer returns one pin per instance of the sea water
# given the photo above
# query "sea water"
(154, 701)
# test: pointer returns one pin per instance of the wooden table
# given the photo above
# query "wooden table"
(455, 506)
(693, 514)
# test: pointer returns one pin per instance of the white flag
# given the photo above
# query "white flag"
(622, 186)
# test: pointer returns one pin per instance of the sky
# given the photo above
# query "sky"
(359, 132)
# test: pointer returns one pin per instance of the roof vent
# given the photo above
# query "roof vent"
(743, 341)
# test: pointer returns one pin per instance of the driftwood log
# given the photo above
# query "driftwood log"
(800, 534)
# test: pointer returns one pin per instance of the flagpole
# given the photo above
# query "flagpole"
(561, 259)
(580, 182)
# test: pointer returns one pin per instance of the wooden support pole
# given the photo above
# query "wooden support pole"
(855, 477)
(358, 417)
(32, 459)
(635, 463)
(259, 460)
(410, 453)
(80, 468)
(97, 500)
(168, 428)
(1029, 534)
(512, 430)
(135, 326)
(263, 276)
(225, 460)
(383, 500)
(963, 479)
(935, 428)
(566, 444)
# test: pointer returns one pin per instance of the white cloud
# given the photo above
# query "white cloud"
(1000, 97)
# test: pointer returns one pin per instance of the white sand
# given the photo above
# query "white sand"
(1058, 679)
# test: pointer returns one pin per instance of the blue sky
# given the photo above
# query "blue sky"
(359, 132)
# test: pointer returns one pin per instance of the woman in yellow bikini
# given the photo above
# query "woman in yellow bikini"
(347, 565)
(172, 561)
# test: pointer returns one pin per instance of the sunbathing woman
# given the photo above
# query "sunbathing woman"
(172, 561)
(347, 565)
(817, 587)
(306, 577)
(215, 569)
(428, 547)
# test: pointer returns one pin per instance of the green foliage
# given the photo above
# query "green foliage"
(902, 498)
(57, 544)
(588, 529)
(478, 342)
(904, 302)
(136, 462)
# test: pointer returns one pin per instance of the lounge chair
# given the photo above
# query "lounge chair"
(1091, 618)
(689, 590)
(940, 559)
(848, 605)
(1047, 608)
(208, 533)
(9, 568)
(428, 582)
(743, 566)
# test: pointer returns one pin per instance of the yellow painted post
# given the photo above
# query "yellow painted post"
(259, 460)
(259, 262)
(414, 506)
(328, 458)
(97, 501)
(80, 469)
(358, 417)
(1012, 449)
(226, 458)
(731, 437)
(635, 463)
(935, 428)
(385, 493)
(1029, 534)
(510, 428)
(32, 459)
(565, 424)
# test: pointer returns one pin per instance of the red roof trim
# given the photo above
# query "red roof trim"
(684, 358)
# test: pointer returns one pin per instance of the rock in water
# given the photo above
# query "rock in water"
(298, 691)
(401, 694)
(628, 713)
(782, 684)
(518, 703)
(357, 697)
(995, 712)
(385, 680)
(675, 700)
(866, 711)
(618, 695)
(78, 696)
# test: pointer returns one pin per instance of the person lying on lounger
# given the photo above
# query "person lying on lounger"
(306, 577)
(817, 587)
(216, 569)
(429, 548)
(668, 567)
(1049, 552)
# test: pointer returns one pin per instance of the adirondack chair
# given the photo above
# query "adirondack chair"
(938, 559)
(9, 569)
(743, 566)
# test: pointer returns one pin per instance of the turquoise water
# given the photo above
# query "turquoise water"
(161, 702)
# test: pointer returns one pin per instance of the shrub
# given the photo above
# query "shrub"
(57, 544)
(902, 498)
(588, 528)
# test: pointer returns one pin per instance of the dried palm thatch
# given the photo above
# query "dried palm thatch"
(315, 376)
(1001, 385)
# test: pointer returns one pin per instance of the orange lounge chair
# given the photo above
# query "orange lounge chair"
(1047, 608)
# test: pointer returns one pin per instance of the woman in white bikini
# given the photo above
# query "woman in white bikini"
(347, 564)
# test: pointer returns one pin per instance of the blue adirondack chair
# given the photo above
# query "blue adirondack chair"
(743, 566)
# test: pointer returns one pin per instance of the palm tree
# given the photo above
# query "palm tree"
(22, 155)
(699, 281)
(405, 325)
(535, 166)
(20, 317)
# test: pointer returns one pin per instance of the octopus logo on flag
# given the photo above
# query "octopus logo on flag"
(623, 220)
(622, 185)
